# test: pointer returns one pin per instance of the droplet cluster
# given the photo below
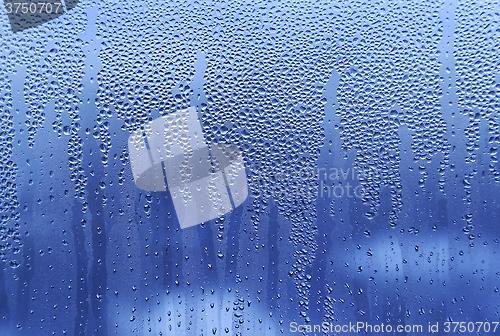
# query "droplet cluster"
(477, 53)
(260, 93)
(49, 62)
(266, 67)
(9, 227)
(388, 61)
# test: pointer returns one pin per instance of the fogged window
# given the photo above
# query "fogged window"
(249, 167)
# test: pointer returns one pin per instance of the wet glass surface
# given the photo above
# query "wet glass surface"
(367, 131)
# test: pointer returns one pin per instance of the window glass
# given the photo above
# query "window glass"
(249, 167)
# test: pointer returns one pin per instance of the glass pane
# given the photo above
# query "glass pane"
(249, 167)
